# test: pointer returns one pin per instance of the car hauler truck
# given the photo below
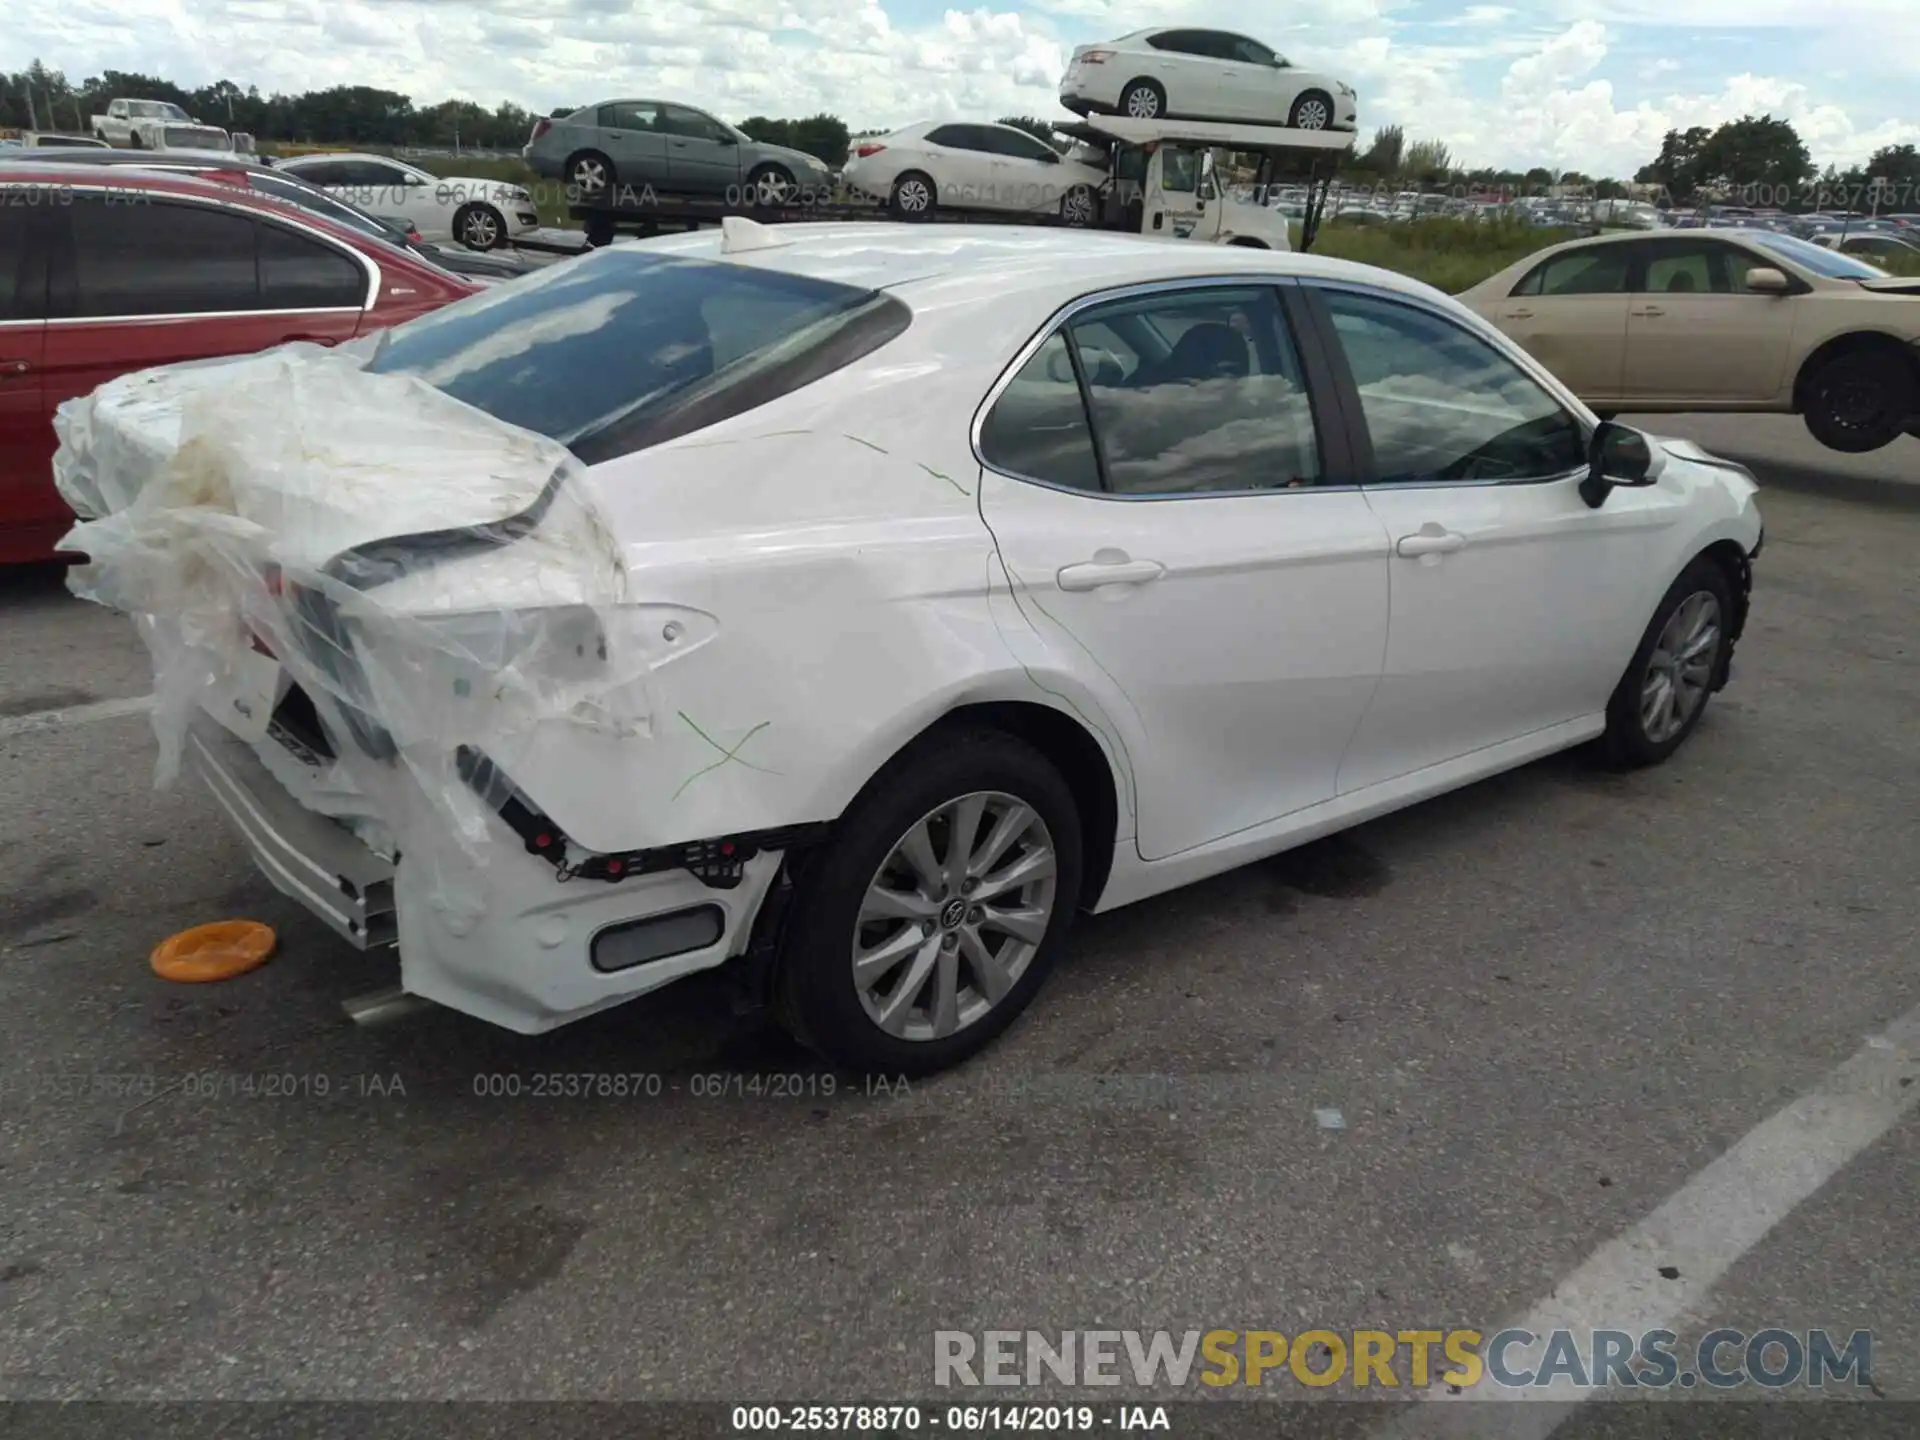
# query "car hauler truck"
(1166, 179)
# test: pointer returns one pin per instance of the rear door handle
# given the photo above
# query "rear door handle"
(1521, 314)
(1121, 571)
(1431, 542)
(15, 367)
(1650, 310)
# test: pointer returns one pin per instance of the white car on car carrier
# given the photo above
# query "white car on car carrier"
(857, 603)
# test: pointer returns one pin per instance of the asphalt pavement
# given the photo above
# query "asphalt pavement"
(1574, 1026)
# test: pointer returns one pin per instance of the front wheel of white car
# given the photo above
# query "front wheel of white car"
(1679, 662)
(930, 919)
(1078, 207)
(1312, 111)
(480, 227)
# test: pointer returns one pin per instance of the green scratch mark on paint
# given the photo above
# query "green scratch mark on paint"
(726, 754)
(868, 443)
(948, 478)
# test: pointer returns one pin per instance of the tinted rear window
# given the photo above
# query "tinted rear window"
(624, 349)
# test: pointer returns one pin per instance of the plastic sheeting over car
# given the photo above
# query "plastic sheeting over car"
(430, 576)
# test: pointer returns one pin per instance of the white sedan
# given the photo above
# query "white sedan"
(963, 165)
(1190, 74)
(480, 214)
(854, 604)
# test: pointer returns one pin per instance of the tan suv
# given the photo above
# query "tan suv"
(1721, 320)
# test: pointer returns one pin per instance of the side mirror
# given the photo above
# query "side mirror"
(1768, 281)
(725, 139)
(1616, 456)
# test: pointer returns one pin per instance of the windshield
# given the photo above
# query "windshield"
(623, 349)
(307, 197)
(156, 110)
(1830, 264)
(1179, 169)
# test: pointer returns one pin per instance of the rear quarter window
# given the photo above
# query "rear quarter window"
(623, 350)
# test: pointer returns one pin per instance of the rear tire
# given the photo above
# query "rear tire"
(1680, 660)
(1860, 400)
(590, 175)
(1143, 100)
(913, 196)
(995, 777)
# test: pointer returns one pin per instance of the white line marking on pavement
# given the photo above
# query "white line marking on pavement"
(1701, 1230)
(77, 715)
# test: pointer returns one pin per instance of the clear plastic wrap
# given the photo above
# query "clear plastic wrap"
(432, 578)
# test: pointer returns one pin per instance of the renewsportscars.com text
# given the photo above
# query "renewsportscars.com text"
(1414, 1359)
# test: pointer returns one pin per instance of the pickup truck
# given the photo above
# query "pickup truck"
(139, 123)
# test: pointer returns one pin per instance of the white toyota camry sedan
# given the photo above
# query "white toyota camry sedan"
(854, 604)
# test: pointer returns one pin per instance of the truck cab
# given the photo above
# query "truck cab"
(1166, 179)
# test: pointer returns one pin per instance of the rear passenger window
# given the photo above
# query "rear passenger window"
(1038, 428)
(298, 272)
(154, 257)
(1601, 270)
(1195, 391)
(1187, 392)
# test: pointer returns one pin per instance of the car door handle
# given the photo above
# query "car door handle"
(1431, 542)
(15, 367)
(1122, 571)
(1521, 314)
(1649, 310)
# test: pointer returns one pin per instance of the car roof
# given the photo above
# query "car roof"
(147, 159)
(999, 260)
(291, 160)
(83, 175)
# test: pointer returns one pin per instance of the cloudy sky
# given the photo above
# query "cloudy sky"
(1577, 84)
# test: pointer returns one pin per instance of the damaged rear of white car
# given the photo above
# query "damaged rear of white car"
(533, 635)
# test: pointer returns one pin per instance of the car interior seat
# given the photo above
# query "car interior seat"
(1681, 281)
(1207, 351)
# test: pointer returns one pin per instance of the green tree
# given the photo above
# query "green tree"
(1677, 165)
(1759, 158)
(1428, 162)
(1383, 156)
(822, 136)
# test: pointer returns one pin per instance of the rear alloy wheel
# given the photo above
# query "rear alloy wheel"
(1312, 111)
(1676, 667)
(590, 175)
(1077, 207)
(1860, 401)
(480, 227)
(913, 196)
(1143, 100)
(930, 920)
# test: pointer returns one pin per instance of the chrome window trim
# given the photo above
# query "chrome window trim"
(1242, 279)
(369, 267)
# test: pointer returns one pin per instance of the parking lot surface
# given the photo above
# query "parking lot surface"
(1541, 1007)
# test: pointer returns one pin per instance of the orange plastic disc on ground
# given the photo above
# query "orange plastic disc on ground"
(218, 951)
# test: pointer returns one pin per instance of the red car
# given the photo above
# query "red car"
(103, 272)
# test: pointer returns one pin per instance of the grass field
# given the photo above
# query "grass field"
(1451, 255)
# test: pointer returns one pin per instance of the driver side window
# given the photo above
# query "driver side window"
(1443, 405)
